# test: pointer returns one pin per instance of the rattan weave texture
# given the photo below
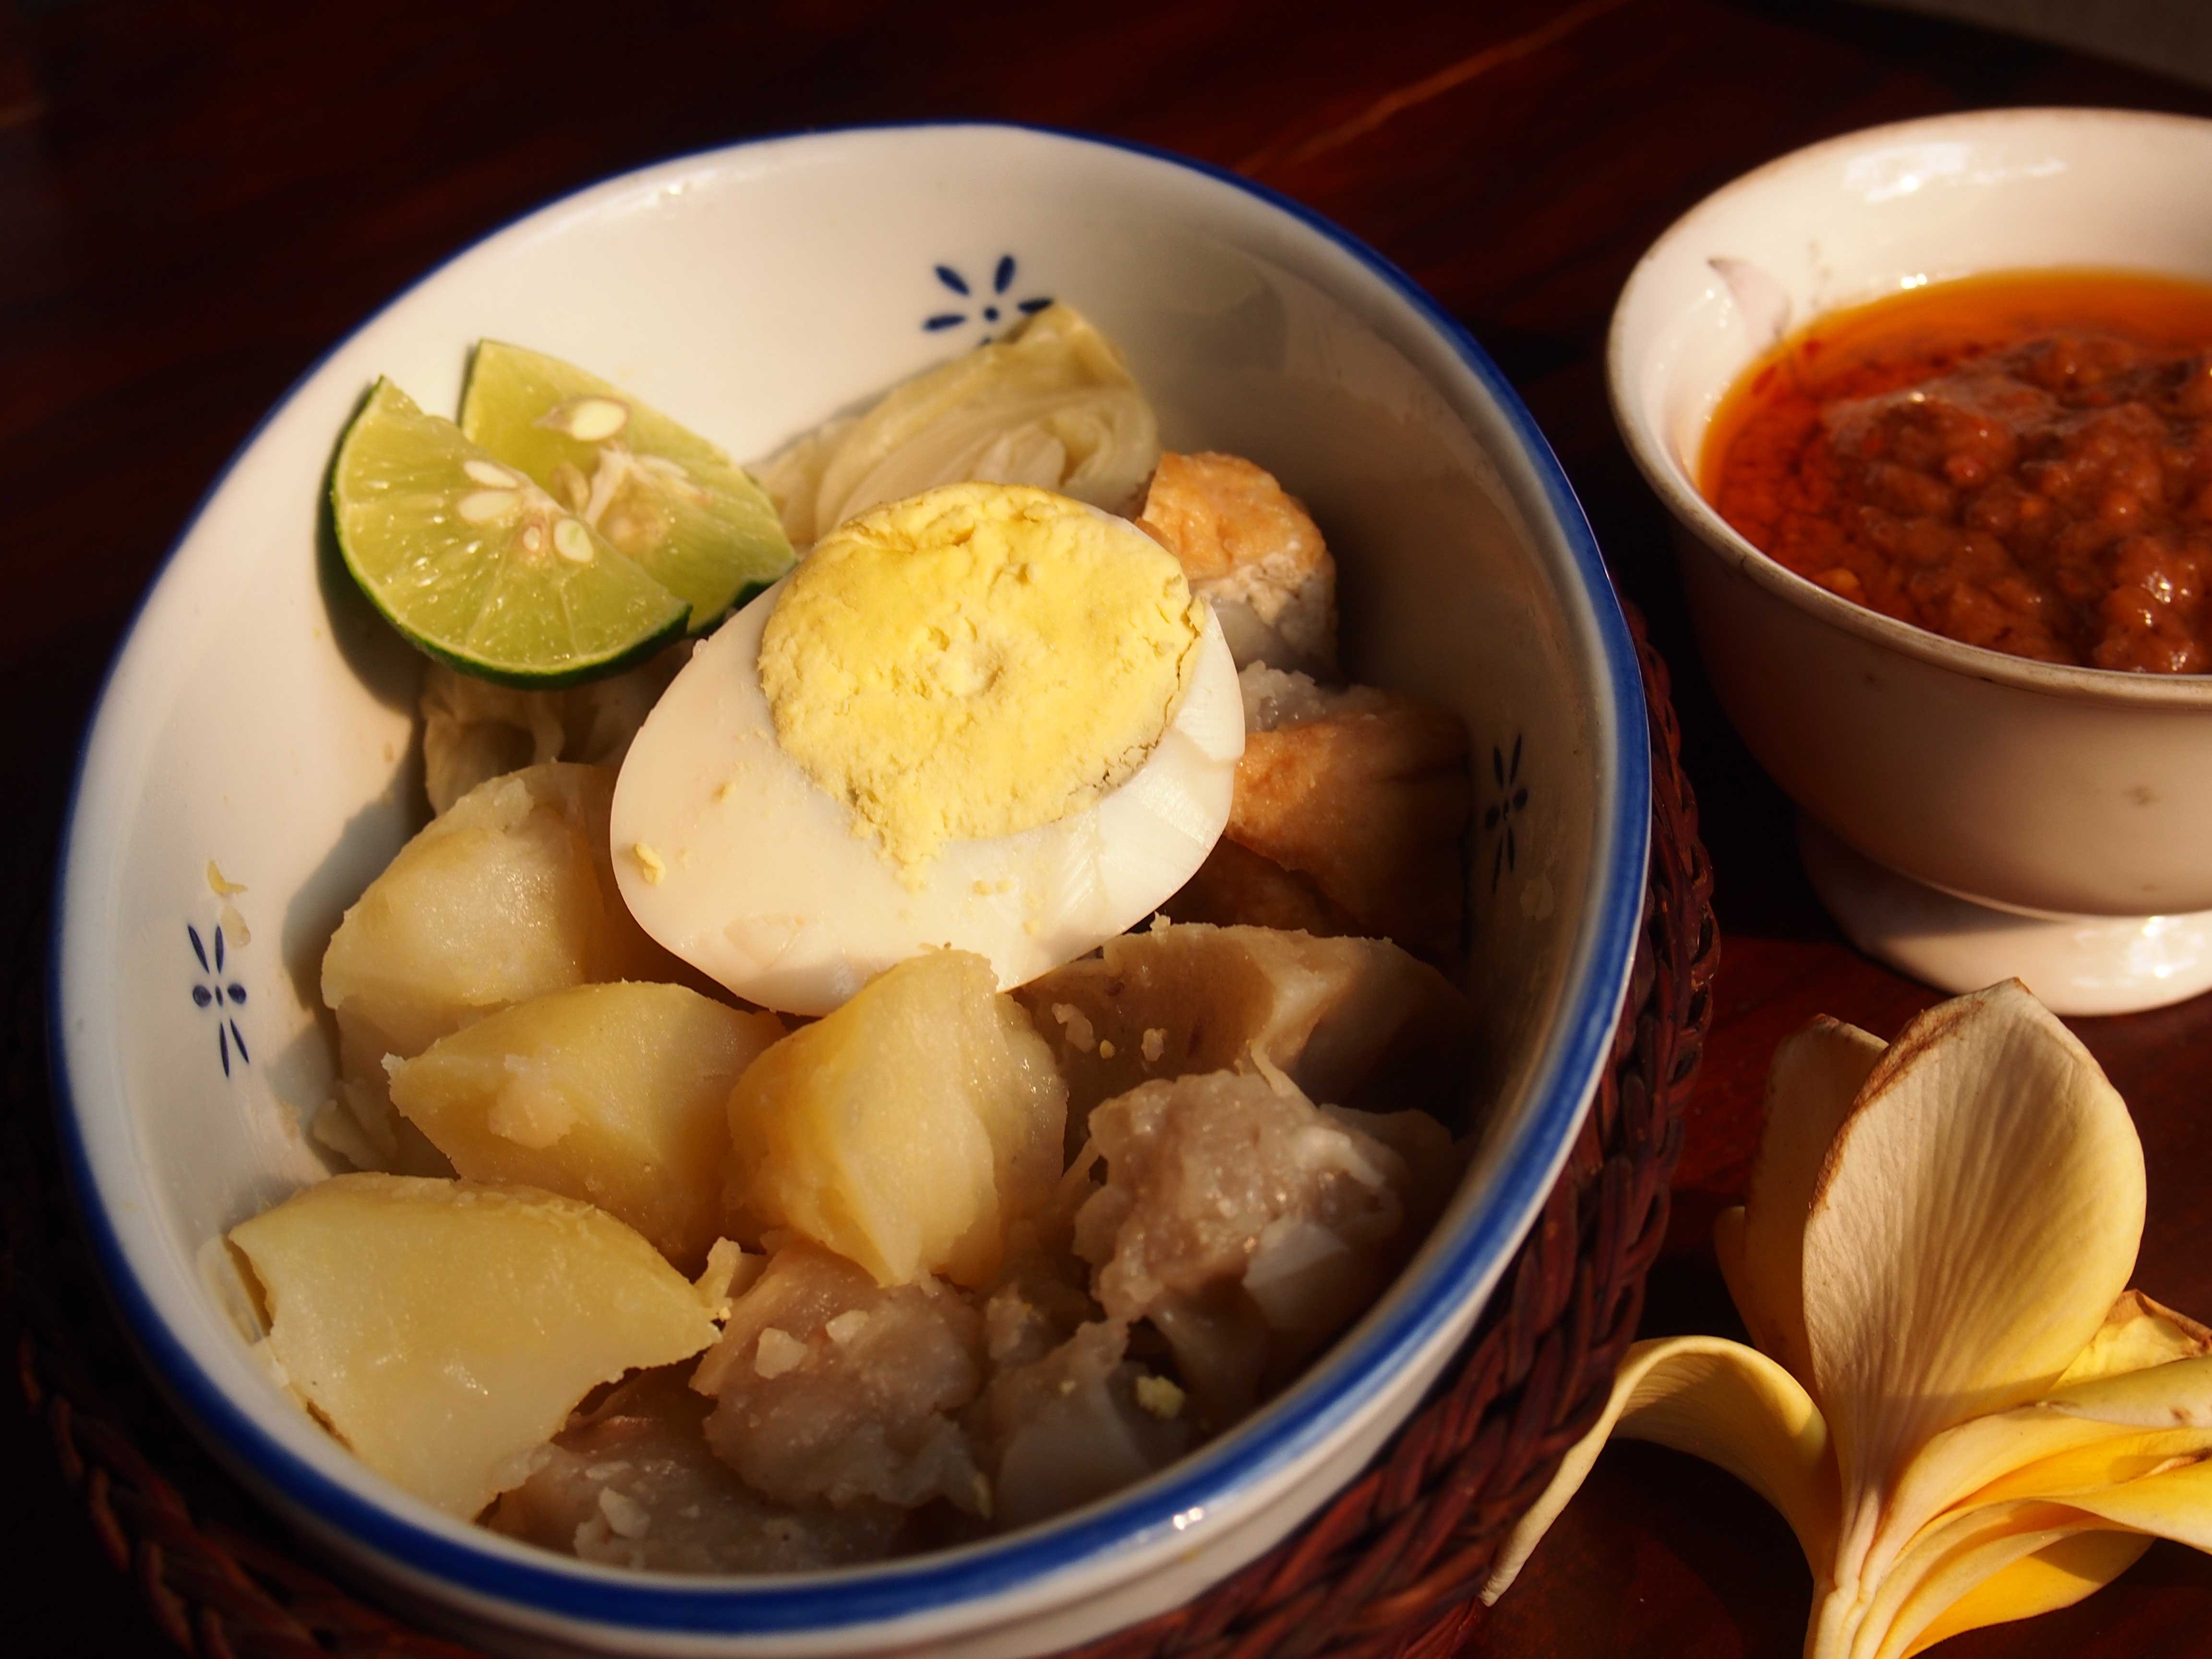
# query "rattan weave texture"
(1389, 1568)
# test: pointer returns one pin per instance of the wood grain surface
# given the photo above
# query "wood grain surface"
(197, 199)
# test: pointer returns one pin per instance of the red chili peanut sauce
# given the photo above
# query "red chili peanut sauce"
(2022, 461)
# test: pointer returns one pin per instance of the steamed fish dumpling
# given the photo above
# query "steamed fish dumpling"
(1238, 887)
(1245, 1223)
(1054, 405)
(631, 1482)
(1075, 1423)
(831, 1388)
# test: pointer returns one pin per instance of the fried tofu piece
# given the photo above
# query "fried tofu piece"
(1363, 794)
(1253, 552)
(1236, 886)
(1348, 1020)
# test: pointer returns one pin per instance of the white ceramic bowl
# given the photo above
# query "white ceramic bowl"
(260, 719)
(1975, 815)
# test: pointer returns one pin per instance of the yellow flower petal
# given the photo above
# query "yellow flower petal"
(1934, 1244)
(2137, 1400)
(2116, 1457)
(1971, 1465)
(2056, 1576)
(2089, 1435)
(1817, 1072)
(2177, 1504)
(2174, 1395)
(1727, 1403)
(2137, 1334)
(1996, 1564)
(1975, 1220)
(1951, 1574)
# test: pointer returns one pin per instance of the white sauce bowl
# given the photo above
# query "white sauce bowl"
(1975, 815)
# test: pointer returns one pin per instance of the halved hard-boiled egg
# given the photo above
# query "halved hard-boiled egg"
(987, 717)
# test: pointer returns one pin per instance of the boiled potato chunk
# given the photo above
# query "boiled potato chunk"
(906, 1130)
(443, 1329)
(615, 1094)
(509, 895)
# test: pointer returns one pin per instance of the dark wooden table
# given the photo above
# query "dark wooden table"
(197, 198)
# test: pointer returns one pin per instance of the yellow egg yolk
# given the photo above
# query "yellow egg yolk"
(976, 661)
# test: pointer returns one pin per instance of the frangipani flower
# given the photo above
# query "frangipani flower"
(1955, 1402)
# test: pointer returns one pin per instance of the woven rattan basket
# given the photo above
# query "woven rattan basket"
(1389, 1568)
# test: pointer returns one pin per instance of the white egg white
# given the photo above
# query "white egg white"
(735, 859)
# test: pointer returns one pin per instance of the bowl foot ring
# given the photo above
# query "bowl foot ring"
(2075, 965)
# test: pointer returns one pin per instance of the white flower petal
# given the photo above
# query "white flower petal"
(1975, 1220)
(1817, 1072)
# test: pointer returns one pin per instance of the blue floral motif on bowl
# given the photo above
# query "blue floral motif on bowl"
(990, 309)
(221, 994)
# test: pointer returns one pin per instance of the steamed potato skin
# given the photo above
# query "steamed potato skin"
(444, 1329)
(904, 1131)
(613, 1094)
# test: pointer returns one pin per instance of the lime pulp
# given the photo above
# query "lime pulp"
(477, 564)
(663, 496)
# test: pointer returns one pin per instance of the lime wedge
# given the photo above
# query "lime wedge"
(662, 495)
(477, 565)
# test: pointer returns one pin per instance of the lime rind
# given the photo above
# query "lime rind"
(691, 518)
(476, 565)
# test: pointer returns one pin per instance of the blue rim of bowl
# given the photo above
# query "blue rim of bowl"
(1347, 1381)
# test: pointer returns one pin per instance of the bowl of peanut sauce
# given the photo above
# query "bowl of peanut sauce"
(1931, 406)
